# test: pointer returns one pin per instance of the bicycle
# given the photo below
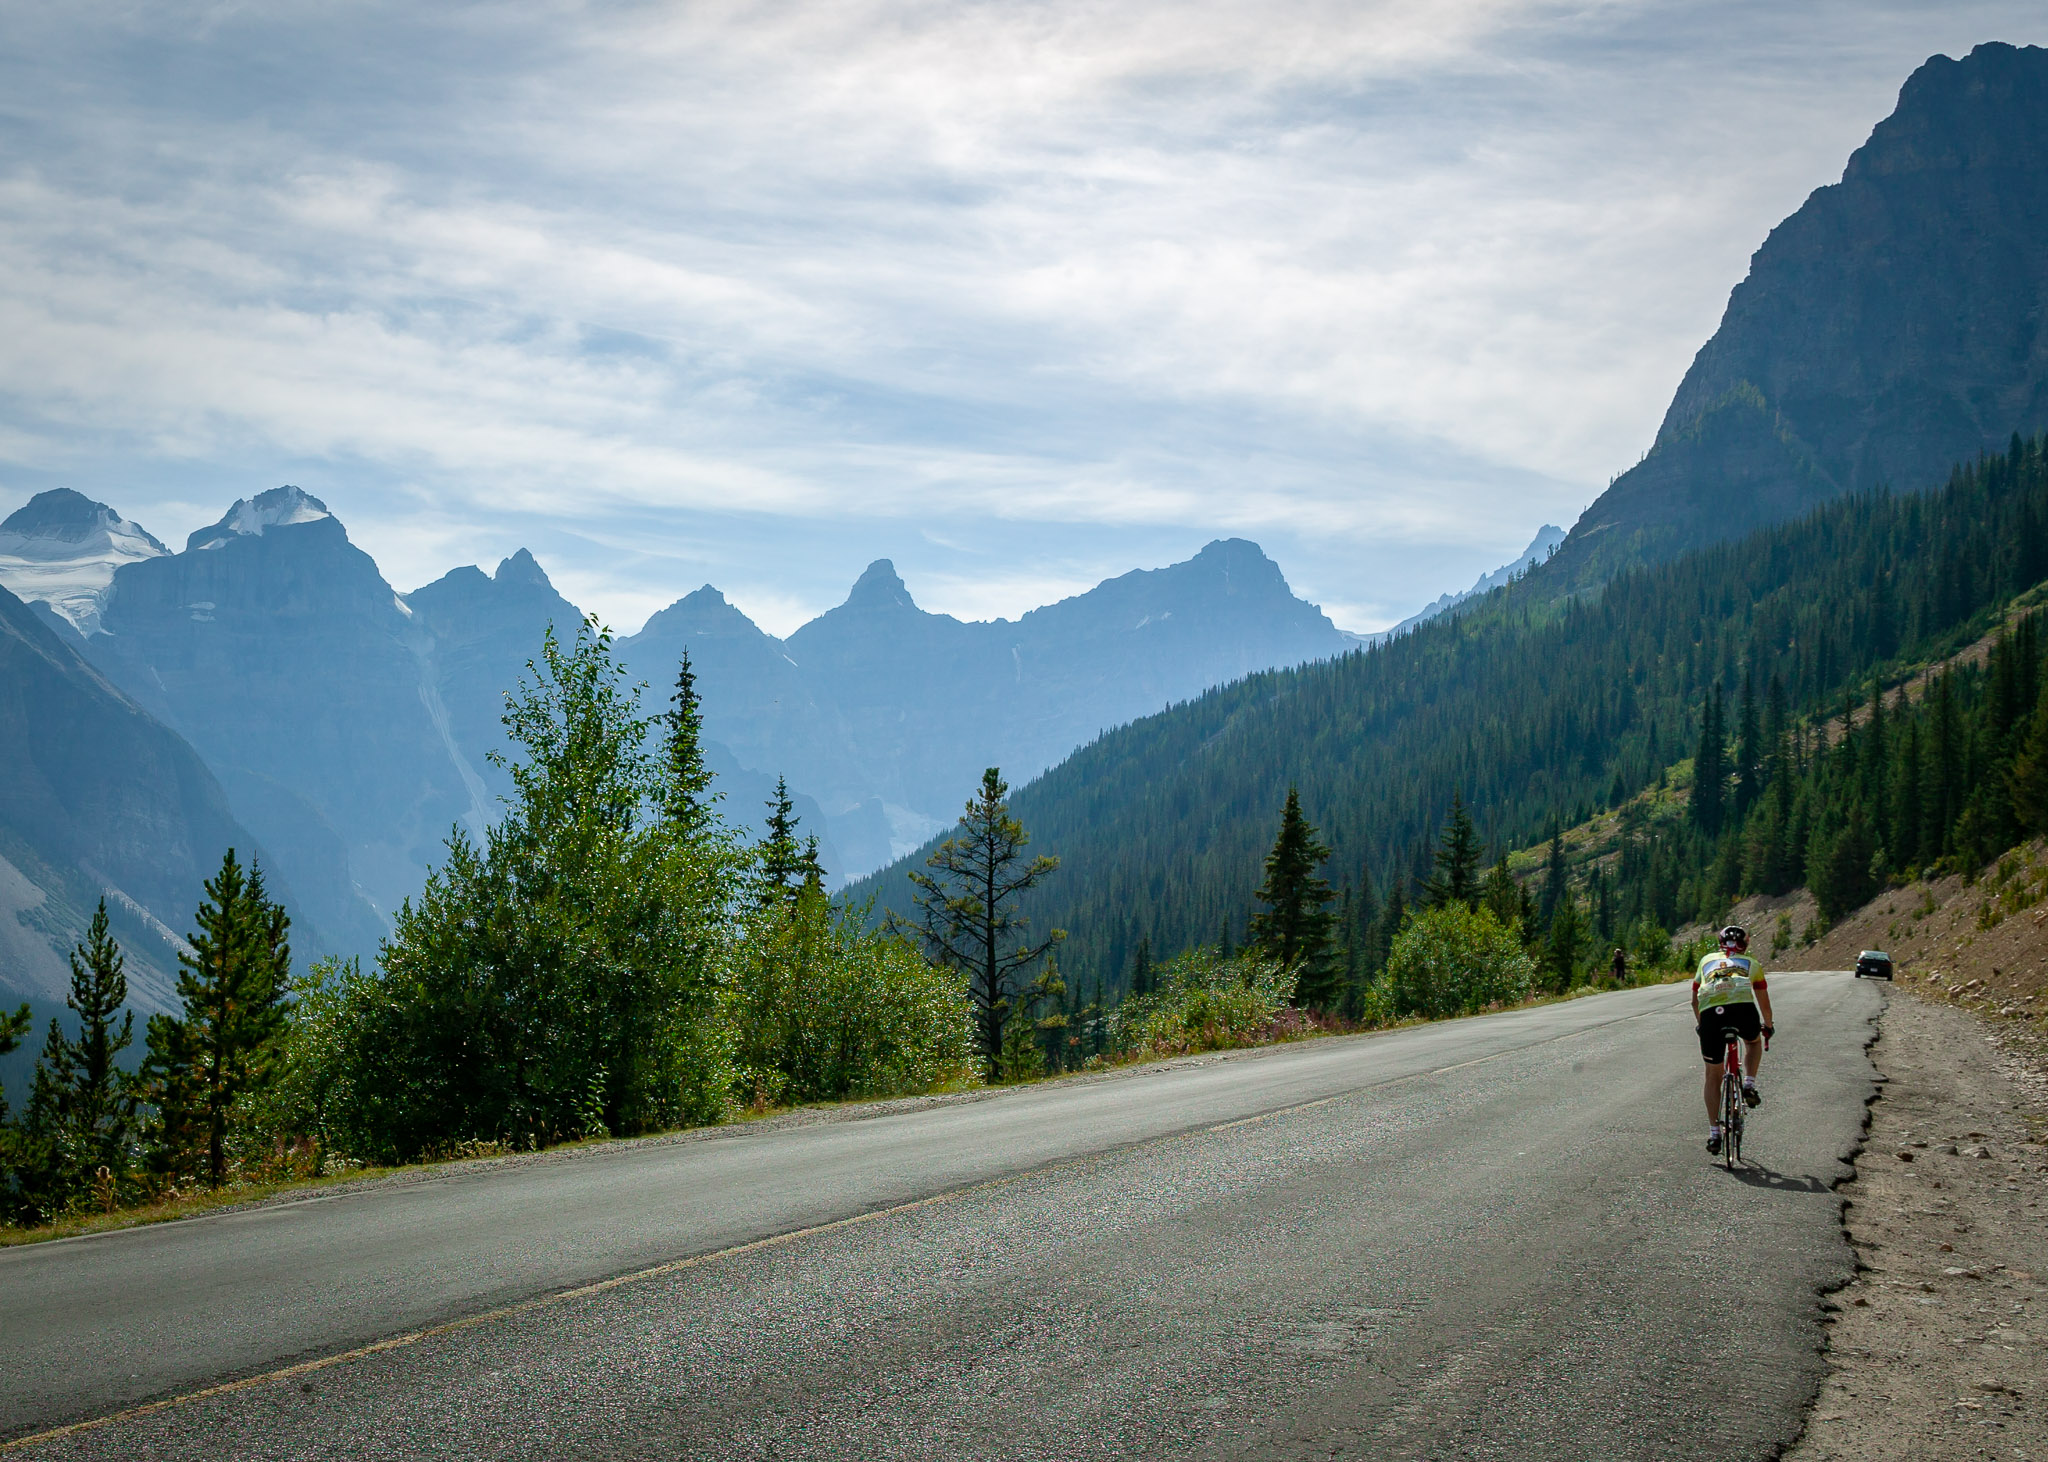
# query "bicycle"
(1733, 1108)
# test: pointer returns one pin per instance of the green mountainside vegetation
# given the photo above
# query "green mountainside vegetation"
(1537, 712)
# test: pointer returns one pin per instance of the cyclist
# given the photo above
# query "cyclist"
(1728, 993)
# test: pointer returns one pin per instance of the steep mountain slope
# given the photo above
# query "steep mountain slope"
(474, 634)
(61, 549)
(275, 647)
(1533, 708)
(98, 799)
(1888, 329)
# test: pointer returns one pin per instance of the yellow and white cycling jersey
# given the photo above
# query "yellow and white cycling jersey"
(1727, 979)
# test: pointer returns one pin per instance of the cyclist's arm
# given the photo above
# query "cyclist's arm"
(1763, 999)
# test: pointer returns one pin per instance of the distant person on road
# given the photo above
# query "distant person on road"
(1728, 993)
(1620, 967)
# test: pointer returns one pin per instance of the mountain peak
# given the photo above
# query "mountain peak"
(1982, 112)
(61, 549)
(71, 517)
(879, 586)
(280, 507)
(521, 568)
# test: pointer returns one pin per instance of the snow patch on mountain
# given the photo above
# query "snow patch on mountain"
(61, 549)
(280, 507)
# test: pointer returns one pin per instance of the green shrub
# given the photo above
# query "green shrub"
(1453, 960)
(824, 1007)
(1205, 1002)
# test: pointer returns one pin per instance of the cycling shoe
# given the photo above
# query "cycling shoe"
(1751, 1095)
(1713, 1144)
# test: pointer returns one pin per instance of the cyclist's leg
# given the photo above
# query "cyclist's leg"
(1711, 1053)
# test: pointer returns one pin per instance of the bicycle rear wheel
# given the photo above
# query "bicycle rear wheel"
(1731, 1121)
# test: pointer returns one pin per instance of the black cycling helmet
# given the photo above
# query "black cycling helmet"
(1734, 935)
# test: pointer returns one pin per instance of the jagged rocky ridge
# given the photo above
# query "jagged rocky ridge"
(1887, 330)
(350, 726)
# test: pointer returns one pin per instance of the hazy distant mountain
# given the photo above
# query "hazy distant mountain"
(96, 798)
(887, 713)
(479, 632)
(351, 726)
(1887, 330)
(61, 550)
(275, 647)
(1547, 538)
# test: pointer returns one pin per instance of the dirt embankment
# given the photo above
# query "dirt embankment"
(1940, 1347)
(1981, 944)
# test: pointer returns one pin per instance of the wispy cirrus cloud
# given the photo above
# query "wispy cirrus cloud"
(1019, 295)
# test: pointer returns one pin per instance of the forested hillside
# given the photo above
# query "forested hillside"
(1539, 711)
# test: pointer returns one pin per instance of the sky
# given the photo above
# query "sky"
(1020, 295)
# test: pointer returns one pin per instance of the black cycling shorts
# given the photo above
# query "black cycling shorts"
(1742, 1018)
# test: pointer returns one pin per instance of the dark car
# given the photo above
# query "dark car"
(1874, 963)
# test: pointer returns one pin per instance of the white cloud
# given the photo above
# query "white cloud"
(742, 292)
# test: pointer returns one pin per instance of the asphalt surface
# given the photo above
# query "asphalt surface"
(1490, 1237)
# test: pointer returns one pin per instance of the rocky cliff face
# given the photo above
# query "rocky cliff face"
(97, 799)
(1887, 330)
(275, 647)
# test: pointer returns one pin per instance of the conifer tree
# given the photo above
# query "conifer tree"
(1749, 751)
(968, 910)
(1141, 968)
(1294, 927)
(2027, 782)
(1555, 884)
(81, 1114)
(13, 1026)
(1457, 860)
(1393, 916)
(1710, 767)
(1502, 896)
(1566, 946)
(688, 801)
(783, 863)
(204, 1061)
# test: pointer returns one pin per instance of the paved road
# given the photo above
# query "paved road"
(1485, 1238)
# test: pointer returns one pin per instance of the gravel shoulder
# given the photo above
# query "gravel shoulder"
(1939, 1347)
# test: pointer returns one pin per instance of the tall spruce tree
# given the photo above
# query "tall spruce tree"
(1749, 752)
(968, 910)
(81, 1114)
(688, 803)
(781, 859)
(1294, 927)
(1710, 767)
(1456, 879)
(203, 1062)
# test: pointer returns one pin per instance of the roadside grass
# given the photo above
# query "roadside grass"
(197, 1203)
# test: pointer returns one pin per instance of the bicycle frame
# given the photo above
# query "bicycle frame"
(1732, 1105)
